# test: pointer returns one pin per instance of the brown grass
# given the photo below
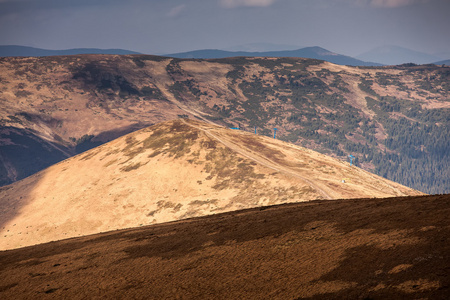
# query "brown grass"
(125, 183)
(343, 249)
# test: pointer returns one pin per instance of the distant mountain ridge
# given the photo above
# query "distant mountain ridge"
(385, 55)
(443, 62)
(395, 55)
(308, 52)
(262, 47)
(13, 50)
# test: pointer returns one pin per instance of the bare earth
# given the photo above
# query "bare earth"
(393, 248)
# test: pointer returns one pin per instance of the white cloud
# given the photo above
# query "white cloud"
(176, 11)
(247, 3)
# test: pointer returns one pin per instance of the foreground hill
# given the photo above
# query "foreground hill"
(394, 120)
(395, 248)
(171, 171)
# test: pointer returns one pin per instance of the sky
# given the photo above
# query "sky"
(349, 27)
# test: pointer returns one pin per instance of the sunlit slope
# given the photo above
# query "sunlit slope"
(171, 171)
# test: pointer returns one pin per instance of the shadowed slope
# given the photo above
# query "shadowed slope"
(396, 248)
(171, 171)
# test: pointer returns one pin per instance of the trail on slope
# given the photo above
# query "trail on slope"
(161, 84)
(260, 160)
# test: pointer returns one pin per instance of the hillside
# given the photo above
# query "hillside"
(171, 171)
(394, 120)
(396, 248)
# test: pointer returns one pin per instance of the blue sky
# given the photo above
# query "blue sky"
(348, 27)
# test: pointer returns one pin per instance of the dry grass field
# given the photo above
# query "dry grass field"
(392, 248)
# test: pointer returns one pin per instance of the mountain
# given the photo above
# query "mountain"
(308, 52)
(394, 55)
(394, 120)
(394, 248)
(12, 50)
(174, 170)
(261, 47)
(443, 62)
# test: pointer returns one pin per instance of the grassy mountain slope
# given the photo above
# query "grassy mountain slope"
(394, 120)
(174, 170)
(394, 248)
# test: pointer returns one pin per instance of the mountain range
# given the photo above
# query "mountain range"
(394, 55)
(308, 52)
(385, 55)
(262, 47)
(14, 50)
(394, 120)
(443, 62)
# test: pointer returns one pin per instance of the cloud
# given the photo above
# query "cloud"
(176, 11)
(247, 3)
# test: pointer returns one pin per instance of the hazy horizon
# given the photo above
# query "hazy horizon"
(349, 27)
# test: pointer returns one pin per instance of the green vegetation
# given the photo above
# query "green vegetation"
(104, 79)
(400, 140)
(152, 92)
(415, 151)
(394, 120)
